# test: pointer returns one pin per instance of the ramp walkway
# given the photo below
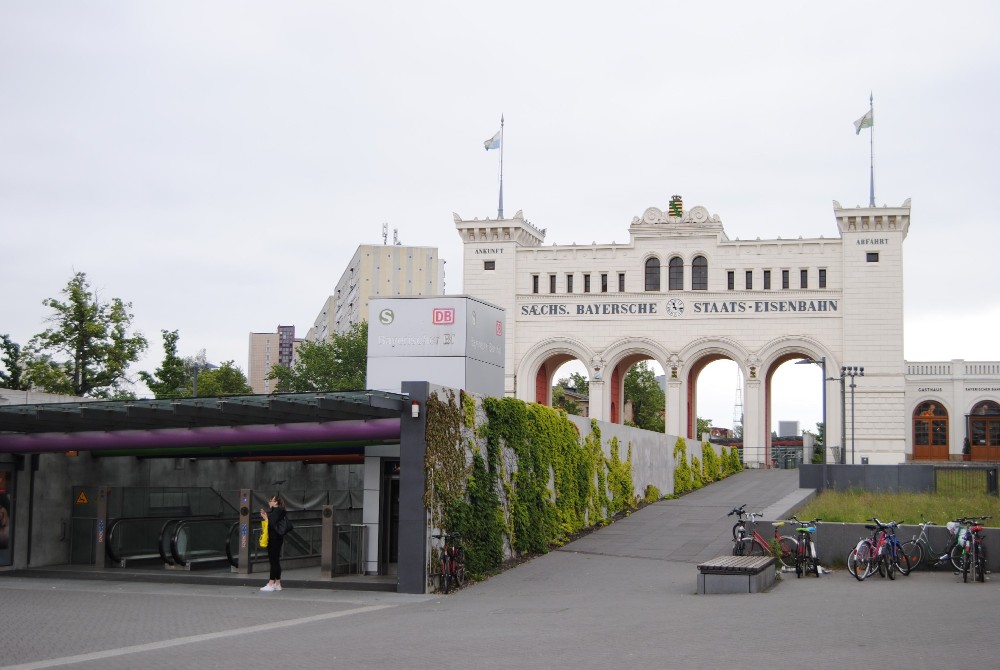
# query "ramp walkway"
(694, 528)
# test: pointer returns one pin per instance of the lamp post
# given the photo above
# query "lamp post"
(851, 371)
(822, 364)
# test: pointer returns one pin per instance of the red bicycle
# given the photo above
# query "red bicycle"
(452, 563)
(748, 542)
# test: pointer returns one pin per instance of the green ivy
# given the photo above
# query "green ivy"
(652, 494)
(696, 481)
(710, 468)
(479, 520)
(682, 470)
(444, 459)
(620, 480)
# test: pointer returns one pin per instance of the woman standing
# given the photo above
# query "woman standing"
(273, 515)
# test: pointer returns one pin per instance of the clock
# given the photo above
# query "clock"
(675, 307)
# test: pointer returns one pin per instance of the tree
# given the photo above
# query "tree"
(227, 379)
(577, 382)
(171, 379)
(560, 399)
(12, 362)
(648, 402)
(88, 350)
(704, 427)
(340, 364)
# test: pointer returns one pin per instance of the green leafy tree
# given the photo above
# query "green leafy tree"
(704, 427)
(647, 397)
(227, 379)
(88, 349)
(819, 440)
(340, 364)
(12, 362)
(171, 379)
(577, 382)
(560, 399)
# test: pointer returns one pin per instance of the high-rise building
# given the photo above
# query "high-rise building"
(266, 351)
(377, 271)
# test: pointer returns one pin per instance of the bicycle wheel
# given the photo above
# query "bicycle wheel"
(974, 567)
(813, 561)
(788, 548)
(966, 560)
(914, 552)
(890, 562)
(740, 547)
(446, 575)
(957, 558)
(460, 575)
(800, 561)
(861, 560)
(903, 561)
(736, 529)
(981, 564)
(758, 549)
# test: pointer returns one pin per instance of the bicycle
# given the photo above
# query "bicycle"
(974, 558)
(748, 542)
(920, 546)
(452, 563)
(880, 553)
(805, 550)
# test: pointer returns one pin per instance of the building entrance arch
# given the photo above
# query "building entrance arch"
(930, 432)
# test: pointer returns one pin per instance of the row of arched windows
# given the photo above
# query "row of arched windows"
(930, 431)
(675, 274)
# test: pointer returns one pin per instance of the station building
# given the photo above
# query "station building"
(682, 293)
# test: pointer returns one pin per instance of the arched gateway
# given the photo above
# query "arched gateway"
(682, 293)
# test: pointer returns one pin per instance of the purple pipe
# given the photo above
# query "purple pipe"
(327, 431)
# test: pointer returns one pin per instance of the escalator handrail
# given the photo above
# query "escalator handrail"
(181, 524)
(113, 527)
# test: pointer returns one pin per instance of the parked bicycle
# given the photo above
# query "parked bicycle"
(974, 558)
(881, 553)
(805, 549)
(452, 563)
(749, 542)
(919, 549)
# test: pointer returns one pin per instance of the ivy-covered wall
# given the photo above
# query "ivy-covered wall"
(514, 478)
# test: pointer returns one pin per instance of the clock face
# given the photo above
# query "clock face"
(675, 307)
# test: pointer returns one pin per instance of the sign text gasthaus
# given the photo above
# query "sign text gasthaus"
(693, 308)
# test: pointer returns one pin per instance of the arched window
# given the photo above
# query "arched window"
(930, 432)
(984, 431)
(676, 274)
(699, 274)
(653, 274)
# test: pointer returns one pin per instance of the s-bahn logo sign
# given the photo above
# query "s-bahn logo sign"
(676, 308)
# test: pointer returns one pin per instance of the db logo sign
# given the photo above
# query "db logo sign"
(443, 316)
(499, 329)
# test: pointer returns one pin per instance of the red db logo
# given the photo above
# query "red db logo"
(443, 316)
(499, 329)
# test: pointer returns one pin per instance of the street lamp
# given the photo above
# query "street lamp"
(851, 371)
(822, 364)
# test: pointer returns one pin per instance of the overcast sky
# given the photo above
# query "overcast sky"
(218, 163)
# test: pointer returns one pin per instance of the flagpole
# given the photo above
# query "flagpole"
(871, 110)
(500, 208)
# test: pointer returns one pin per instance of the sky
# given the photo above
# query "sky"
(217, 164)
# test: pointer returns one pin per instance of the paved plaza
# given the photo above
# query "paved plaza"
(623, 596)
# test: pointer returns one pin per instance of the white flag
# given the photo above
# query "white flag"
(866, 121)
(493, 142)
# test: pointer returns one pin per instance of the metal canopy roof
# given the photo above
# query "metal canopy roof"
(246, 410)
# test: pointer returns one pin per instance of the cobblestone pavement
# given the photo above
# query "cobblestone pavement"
(623, 596)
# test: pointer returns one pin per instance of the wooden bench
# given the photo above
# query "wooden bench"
(736, 574)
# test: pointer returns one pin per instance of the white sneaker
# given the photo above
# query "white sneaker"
(277, 587)
(268, 587)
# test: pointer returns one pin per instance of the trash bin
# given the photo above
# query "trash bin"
(790, 461)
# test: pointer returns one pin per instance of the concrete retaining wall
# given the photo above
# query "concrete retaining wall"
(834, 541)
(888, 478)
